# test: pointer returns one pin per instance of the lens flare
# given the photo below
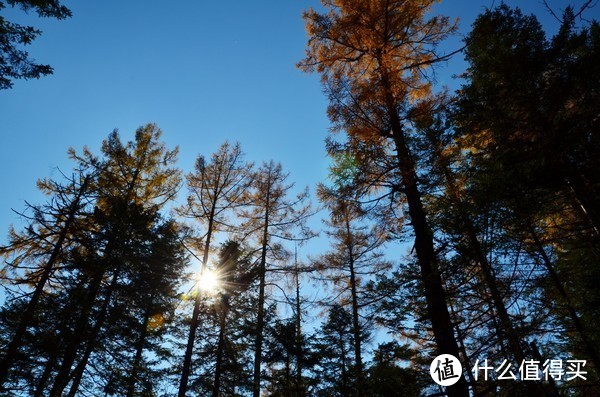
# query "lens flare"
(207, 281)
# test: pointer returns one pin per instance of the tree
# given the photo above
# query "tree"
(524, 119)
(216, 189)
(235, 276)
(387, 378)
(336, 343)
(56, 222)
(14, 61)
(272, 216)
(134, 181)
(355, 257)
(372, 57)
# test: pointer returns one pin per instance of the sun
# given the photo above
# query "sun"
(207, 281)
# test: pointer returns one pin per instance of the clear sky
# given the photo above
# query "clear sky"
(204, 71)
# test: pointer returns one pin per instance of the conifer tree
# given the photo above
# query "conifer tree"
(272, 216)
(373, 56)
(216, 189)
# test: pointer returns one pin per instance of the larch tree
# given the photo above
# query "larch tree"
(134, 182)
(272, 218)
(40, 248)
(373, 57)
(354, 259)
(217, 187)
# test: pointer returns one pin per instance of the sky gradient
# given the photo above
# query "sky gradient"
(203, 71)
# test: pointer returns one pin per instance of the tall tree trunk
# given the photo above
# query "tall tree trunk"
(353, 290)
(220, 345)
(435, 296)
(62, 331)
(93, 338)
(477, 252)
(588, 345)
(62, 378)
(261, 296)
(299, 348)
(187, 360)
(17, 340)
(41, 385)
(139, 350)
(584, 197)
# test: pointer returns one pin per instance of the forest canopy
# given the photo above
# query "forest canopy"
(462, 222)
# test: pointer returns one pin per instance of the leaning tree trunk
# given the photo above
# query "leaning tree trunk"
(435, 295)
(506, 329)
(139, 350)
(27, 317)
(62, 378)
(93, 338)
(588, 345)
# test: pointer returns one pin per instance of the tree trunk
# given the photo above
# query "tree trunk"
(17, 340)
(299, 348)
(187, 360)
(93, 339)
(220, 345)
(435, 296)
(139, 350)
(489, 280)
(62, 331)
(584, 197)
(588, 345)
(62, 378)
(261, 296)
(355, 319)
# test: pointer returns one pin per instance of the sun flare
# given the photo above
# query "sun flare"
(207, 281)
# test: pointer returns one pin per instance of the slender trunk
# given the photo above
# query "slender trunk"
(586, 200)
(432, 282)
(220, 345)
(553, 389)
(187, 360)
(477, 252)
(588, 345)
(62, 378)
(299, 347)
(139, 350)
(353, 289)
(506, 329)
(466, 362)
(93, 339)
(261, 296)
(41, 385)
(17, 340)
(62, 331)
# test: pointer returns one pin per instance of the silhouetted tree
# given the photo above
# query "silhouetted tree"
(14, 61)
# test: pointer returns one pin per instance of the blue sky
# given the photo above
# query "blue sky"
(204, 71)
